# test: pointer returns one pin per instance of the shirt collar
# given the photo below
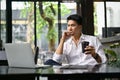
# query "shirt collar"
(82, 38)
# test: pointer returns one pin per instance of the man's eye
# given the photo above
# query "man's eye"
(73, 25)
(68, 25)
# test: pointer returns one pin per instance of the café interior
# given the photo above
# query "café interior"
(23, 21)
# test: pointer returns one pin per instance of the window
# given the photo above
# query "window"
(2, 22)
(30, 22)
(111, 21)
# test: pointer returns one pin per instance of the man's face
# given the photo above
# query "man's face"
(73, 27)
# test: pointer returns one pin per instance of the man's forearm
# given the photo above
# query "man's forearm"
(97, 58)
(59, 50)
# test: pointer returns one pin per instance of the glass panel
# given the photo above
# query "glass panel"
(46, 22)
(70, 9)
(2, 22)
(99, 21)
(47, 26)
(47, 33)
(113, 16)
(23, 22)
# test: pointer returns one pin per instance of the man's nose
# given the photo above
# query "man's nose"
(70, 28)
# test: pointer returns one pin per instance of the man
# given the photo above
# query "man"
(70, 46)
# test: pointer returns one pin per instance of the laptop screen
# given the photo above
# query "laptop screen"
(19, 55)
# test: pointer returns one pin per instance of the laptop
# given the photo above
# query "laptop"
(21, 55)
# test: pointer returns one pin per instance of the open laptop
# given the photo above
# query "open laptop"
(21, 55)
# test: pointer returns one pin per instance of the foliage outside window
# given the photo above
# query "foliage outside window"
(46, 15)
(113, 54)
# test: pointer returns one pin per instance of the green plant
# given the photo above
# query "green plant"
(113, 57)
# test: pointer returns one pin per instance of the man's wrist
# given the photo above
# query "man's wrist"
(95, 56)
(62, 39)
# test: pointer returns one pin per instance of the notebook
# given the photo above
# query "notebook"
(74, 67)
(21, 55)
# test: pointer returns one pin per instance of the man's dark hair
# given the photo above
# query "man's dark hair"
(76, 18)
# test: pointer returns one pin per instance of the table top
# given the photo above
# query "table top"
(101, 68)
(57, 70)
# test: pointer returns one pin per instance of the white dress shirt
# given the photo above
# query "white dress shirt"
(73, 54)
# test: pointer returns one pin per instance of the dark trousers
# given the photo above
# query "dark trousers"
(52, 62)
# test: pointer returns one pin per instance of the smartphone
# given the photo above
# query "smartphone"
(84, 44)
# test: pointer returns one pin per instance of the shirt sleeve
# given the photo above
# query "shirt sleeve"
(100, 50)
(57, 57)
(60, 57)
